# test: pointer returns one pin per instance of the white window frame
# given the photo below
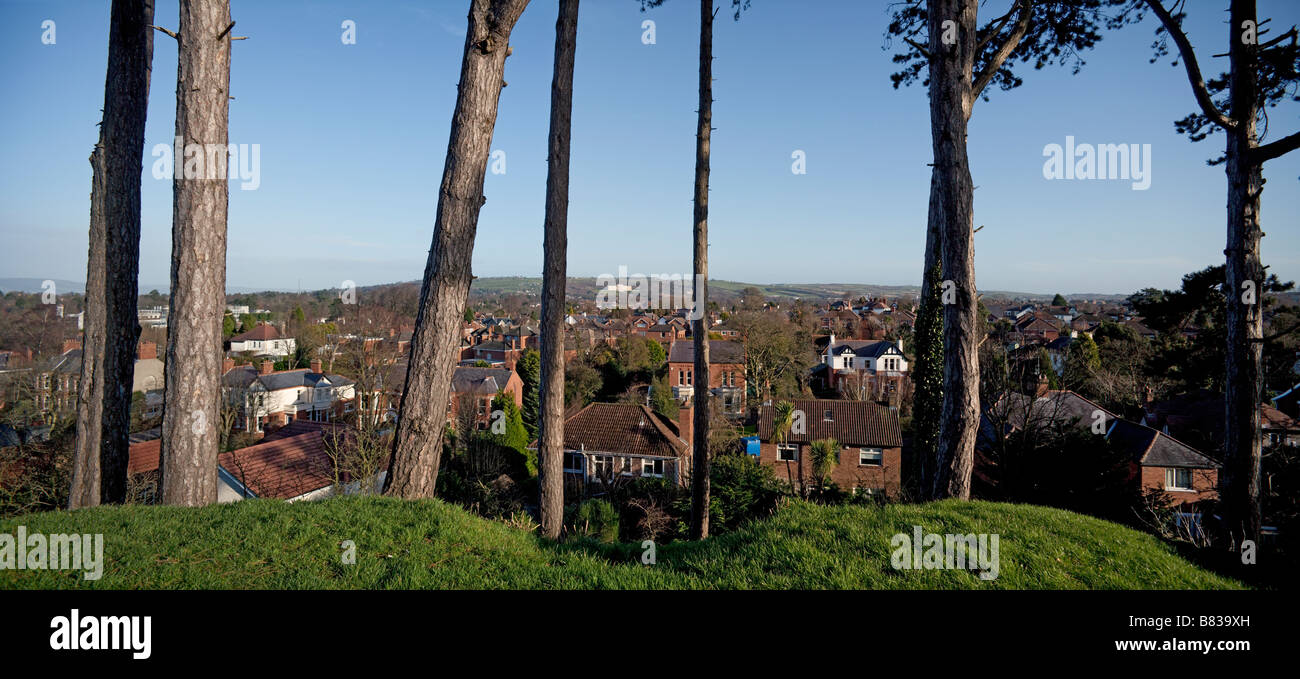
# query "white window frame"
(877, 453)
(648, 465)
(783, 448)
(1171, 479)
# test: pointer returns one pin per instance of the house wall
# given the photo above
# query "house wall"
(1204, 481)
(848, 474)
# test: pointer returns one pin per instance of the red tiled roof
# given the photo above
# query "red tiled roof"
(143, 457)
(852, 423)
(283, 468)
(621, 428)
(289, 462)
(263, 331)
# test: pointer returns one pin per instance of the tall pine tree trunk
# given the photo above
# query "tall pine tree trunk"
(198, 274)
(417, 445)
(555, 247)
(700, 332)
(111, 328)
(927, 373)
(1245, 280)
(950, 101)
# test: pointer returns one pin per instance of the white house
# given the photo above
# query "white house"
(263, 340)
(262, 396)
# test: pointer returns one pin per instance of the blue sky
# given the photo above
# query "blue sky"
(353, 139)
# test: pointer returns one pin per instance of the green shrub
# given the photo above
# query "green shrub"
(742, 489)
(596, 519)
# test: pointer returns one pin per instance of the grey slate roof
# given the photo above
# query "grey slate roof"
(479, 380)
(1151, 448)
(246, 375)
(720, 351)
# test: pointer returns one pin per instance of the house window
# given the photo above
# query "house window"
(1178, 479)
(652, 467)
(603, 465)
(573, 463)
(629, 464)
(870, 457)
(787, 452)
(828, 415)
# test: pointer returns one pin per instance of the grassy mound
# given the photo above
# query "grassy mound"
(431, 544)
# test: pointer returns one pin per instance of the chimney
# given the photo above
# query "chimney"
(686, 425)
(70, 344)
(315, 365)
(267, 368)
(146, 350)
(227, 365)
(1042, 388)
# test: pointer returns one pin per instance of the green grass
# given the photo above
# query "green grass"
(430, 544)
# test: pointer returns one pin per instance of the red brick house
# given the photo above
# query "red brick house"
(1162, 463)
(726, 373)
(606, 442)
(476, 387)
(868, 433)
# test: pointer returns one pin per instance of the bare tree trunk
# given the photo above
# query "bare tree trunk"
(111, 328)
(550, 438)
(198, 275)
(417, 445)
(950, 101)
(928, 346)
(700, 333)
(1245, 280)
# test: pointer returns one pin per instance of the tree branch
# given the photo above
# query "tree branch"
(1193, 68)
(1008, 46)
(1273, 149)
(160, 28)
(918, 47)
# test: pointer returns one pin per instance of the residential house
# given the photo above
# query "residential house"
(262, 396)
(475, 388)
(606, 442)
(263, 340)
(726, 373)
(291, 463)
(870, 458)
(865, 370)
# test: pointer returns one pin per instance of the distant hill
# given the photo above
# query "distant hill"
(579, 286)
(585, 287)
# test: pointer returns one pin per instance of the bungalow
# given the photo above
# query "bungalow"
(605, 442)
(870, 439)
(291, 463)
